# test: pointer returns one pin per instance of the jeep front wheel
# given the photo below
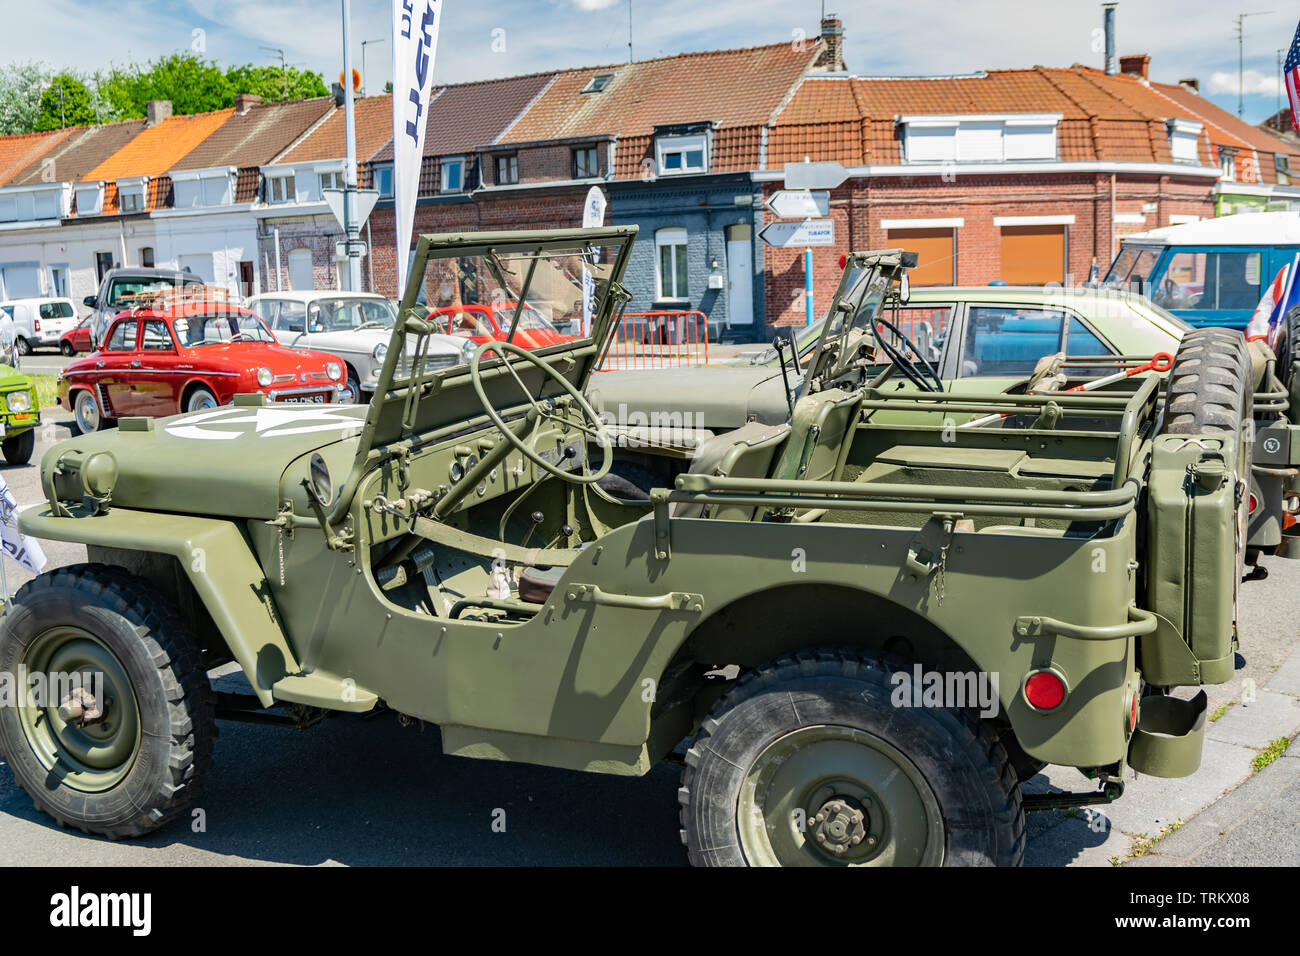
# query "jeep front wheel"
(807, 761)
(113, 725)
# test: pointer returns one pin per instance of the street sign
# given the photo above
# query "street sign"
(366, 199)
(814, 175)
(791, 235)
(341, 249)
(799, 204)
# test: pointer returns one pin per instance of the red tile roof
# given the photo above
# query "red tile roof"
(373, 117)
(733, 89)
(256, 136)
(17, 152)
(80, 151)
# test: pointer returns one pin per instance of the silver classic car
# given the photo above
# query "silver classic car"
(355, 326)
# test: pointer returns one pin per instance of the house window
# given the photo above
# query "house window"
(280, 189)
(507, 170)
(330, 180)
(671, 245)
(131, 201)
(103, 262)
(598, 83)
(146, 257)
(1014, 137)
(453, 175)
(59, 281)
(1227, 165)
(1283, 166)
(384, 180)
(679, 155)
(585, 165)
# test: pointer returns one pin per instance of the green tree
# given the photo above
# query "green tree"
(20, 96)
(192, 84)
(274, 84)
(65, 102)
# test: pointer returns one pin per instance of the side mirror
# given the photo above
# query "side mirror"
(90, 302)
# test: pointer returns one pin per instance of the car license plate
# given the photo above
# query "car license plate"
(305, 399)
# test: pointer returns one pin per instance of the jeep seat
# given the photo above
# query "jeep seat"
(746, 452)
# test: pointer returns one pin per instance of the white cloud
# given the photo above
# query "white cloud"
(1253, 83)
(594, 4)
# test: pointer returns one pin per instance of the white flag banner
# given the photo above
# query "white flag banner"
(593, 215)
(17, 545)
(415, 40)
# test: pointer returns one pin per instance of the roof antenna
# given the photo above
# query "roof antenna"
(629, 30)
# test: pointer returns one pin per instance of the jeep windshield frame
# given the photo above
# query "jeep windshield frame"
(415, 405)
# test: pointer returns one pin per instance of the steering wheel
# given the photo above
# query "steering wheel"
(911, 369)
(543, 411)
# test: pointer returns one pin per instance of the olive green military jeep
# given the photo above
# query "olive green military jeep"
(857, 638)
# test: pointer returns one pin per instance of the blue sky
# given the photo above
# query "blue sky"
(1186, 38)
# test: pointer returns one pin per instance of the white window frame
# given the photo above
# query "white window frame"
(1184, 140)
(980, 138)
(672, 236)
(330, 178)
(666, 146)
(90, 198)
(512, 163)
(595, 84)
(288, 193)
(380, 170)
(133, 188)
(444, 179)
(1227, 165)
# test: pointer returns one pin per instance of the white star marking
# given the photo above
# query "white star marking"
(266, 421)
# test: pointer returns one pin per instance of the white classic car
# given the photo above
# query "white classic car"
(355, 326)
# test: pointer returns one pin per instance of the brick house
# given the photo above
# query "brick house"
(1022, 176)
(297, 232)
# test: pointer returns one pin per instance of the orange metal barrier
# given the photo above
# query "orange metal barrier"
(659, 339)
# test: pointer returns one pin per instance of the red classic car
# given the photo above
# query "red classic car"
(187, 356)
(483, 323)
(76, 339)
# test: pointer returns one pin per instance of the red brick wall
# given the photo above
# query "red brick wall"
(859, 206)
(526, 209)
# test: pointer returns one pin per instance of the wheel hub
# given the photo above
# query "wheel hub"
(81, 708)
(839, 824)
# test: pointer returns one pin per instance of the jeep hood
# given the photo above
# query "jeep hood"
(228, 461)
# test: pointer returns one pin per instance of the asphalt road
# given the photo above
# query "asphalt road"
(355, 791)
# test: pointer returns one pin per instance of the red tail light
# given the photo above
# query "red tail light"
(1288, 521)
(1133, 713)
(1044, 690)
(36, 325)
(1252, 504)
(844, 261)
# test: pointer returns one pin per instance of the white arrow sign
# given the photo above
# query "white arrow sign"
(814, 175)
(799, 204)
(366, 199)
(788, 235)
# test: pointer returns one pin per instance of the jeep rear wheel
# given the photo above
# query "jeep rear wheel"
(124, 751)
(806, 761)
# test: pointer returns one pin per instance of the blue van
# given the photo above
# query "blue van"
(1211, 272)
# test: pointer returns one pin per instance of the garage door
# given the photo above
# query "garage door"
(1033, 255)
(20, 282)
(936, 251)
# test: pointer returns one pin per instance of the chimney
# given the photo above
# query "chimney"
(1136, 65)
(1111, 66)
(156, 111)
(1192, 84)
(244, 100)
(833, 36)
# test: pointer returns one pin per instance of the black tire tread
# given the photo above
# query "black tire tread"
(1209, 384)
(981, 738)
(174, 650)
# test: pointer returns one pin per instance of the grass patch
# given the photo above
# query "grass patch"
(1220, 711)
(1274, 750)
(47, 391)
(1142, 845)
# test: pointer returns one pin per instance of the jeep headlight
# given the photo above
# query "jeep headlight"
(264, 377)
(19, 401)
(379, 352)
(334, 370)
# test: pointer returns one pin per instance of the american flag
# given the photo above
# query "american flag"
(1291, 70)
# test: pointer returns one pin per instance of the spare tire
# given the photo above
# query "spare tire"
(1211, 392)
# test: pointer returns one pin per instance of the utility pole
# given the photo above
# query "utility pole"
(1241, 43)
(363, 62)
(1280, 82)
(350, 225)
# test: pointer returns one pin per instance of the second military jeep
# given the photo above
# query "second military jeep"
(856, 638)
